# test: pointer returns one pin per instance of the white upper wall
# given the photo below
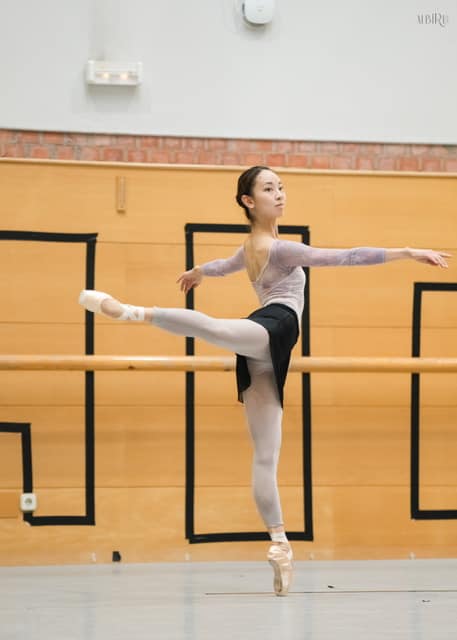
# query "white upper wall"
(323, 70)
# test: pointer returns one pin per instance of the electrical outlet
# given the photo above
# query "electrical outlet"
(28, 502)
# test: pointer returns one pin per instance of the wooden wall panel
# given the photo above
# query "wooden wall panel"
(57, 445)
(144, 446)
(43, 278)
(147, 525)
(134, 339)
(9, 504)
(10, 466)
(342, 210)
(361, 423)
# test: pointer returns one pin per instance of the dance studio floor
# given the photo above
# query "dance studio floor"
(345, 600)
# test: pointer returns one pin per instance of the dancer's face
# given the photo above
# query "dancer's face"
(268, 197)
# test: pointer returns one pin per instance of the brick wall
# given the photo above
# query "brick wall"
(218, 151)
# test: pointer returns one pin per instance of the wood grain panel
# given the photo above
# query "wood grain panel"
(9, 504)
(41, 388)
(381, 526)
(341, 209)
(439, 308)
(133, 447)
(382, 341)
(379, 295)
(153, 199)
(327, 389)
(147, 526)
(41, 338)
(142, 273)
(10, 459)
(369, 210)
(438, 447)
(57, 435)
(111, 338)
(40, 281)
(369, 446)
(360, 422)
(120, 338)
(379, 389)
(144, 446)
(375, 445)
(112, 388)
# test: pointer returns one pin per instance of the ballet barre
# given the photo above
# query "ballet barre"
(220, 363)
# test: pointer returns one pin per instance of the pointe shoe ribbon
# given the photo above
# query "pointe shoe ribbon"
(280, 557)
(132, 313)
(92, 301)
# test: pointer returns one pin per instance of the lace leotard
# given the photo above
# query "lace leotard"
(282, 280)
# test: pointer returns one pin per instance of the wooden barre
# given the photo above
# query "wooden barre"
(218, 363)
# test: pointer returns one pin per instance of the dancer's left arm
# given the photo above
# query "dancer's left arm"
(219, 267)
(295, 254)
(427, 256)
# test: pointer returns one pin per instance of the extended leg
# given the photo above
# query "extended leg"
(241, 336)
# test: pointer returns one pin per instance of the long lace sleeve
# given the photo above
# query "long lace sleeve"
(223, 267)
(296, 254)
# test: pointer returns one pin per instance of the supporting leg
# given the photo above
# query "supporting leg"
(264, 415)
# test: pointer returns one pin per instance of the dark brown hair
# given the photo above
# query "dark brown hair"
(246, 183)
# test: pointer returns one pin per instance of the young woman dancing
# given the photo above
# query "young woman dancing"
(264, 340)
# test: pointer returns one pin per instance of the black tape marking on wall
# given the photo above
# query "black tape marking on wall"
(90, 240)
(23, 428)
(416, 512)
(307, 533)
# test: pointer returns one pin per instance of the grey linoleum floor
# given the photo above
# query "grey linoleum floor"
(411, 599)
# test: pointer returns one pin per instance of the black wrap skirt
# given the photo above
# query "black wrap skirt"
(282, 325)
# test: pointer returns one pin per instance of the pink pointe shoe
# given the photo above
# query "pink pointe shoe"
(92, 301)
(280, 557)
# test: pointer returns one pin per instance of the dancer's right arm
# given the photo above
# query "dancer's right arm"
(220, 267)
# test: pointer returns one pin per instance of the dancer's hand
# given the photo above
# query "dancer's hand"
(190, 279)
(428, 256)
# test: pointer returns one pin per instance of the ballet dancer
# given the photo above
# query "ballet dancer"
(263, 341)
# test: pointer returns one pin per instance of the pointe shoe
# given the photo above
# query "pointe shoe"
(280, 557)
(92, 301)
